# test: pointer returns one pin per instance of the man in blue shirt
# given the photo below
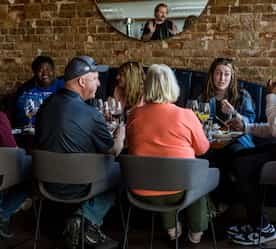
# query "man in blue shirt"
(66, 124)
(36, 90)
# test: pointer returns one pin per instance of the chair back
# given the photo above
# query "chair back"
(268, 173)
(70, 168)
(11, 163)
(163, 173)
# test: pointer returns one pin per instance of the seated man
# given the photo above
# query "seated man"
(36, 89)
(65, 123)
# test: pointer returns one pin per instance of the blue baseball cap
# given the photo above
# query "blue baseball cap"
(81, 65)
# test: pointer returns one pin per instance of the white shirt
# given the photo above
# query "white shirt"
(265, 129)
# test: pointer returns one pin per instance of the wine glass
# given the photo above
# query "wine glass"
(30, 110)
(193, 104)
(116, 111)
(204, 111)
(98, 103)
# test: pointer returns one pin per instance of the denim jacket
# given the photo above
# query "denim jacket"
(246, 109)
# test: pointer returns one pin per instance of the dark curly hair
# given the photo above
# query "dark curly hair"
(40, 60)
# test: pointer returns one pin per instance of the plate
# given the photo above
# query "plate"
(235, 133)
(222, 136)
(29, 130)
(16, 131)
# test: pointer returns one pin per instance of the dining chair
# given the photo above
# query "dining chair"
(167, 174)
(267, 177)
(71, 168)
(12, 161)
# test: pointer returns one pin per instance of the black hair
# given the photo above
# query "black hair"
(40, 60)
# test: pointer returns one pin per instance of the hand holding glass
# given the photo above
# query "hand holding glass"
(30, 108)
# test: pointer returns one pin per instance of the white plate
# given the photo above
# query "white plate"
(222, 136)
(29, 130)
(235, 133)
(16, 131)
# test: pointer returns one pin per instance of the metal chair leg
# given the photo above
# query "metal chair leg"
(213, 233)
(126, 228)
(263, 192)
(37, 224)
(82, 231)
(152, 230)
(176, 230)
(212, 225)
(121, 211)
(34, 208)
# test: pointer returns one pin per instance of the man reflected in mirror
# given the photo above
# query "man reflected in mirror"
(159, 28)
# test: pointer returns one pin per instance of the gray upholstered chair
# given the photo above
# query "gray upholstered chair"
(71, 168)
(12, 161)
(267, 177)
(160, 173)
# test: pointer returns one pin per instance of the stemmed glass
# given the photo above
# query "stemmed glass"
(30, 108)
(98, 104)
(113, 113)
(116, 110)
(193, 104)
(204, 111)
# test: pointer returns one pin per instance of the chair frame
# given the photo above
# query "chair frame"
(87, 167)
(188, 173)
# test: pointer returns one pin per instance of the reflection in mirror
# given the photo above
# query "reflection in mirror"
(151, 19)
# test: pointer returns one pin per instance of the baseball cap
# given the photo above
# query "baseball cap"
(81, 65)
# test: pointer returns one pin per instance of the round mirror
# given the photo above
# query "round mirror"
(151, 19)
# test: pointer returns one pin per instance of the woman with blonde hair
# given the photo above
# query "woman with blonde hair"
(180, 135)
(129, 89)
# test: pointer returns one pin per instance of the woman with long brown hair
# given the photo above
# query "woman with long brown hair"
(226, 100)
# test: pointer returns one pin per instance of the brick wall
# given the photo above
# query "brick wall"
(241, 29)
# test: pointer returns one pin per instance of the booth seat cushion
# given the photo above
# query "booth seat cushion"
(184, 79)
(198, 81)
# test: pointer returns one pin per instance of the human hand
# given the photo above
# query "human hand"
(173, 31)
(152, 26)
(120, 132)
(271, 87)
(236, 124)
(226, 107)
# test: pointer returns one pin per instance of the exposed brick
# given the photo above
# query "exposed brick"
(32, 10)
(49, 7)
(43, 23)
(243, 29)
(3, 11)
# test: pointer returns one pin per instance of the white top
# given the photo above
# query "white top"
(265, 129)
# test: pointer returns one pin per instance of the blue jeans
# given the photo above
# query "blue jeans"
(96, 208)
(11, 200)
